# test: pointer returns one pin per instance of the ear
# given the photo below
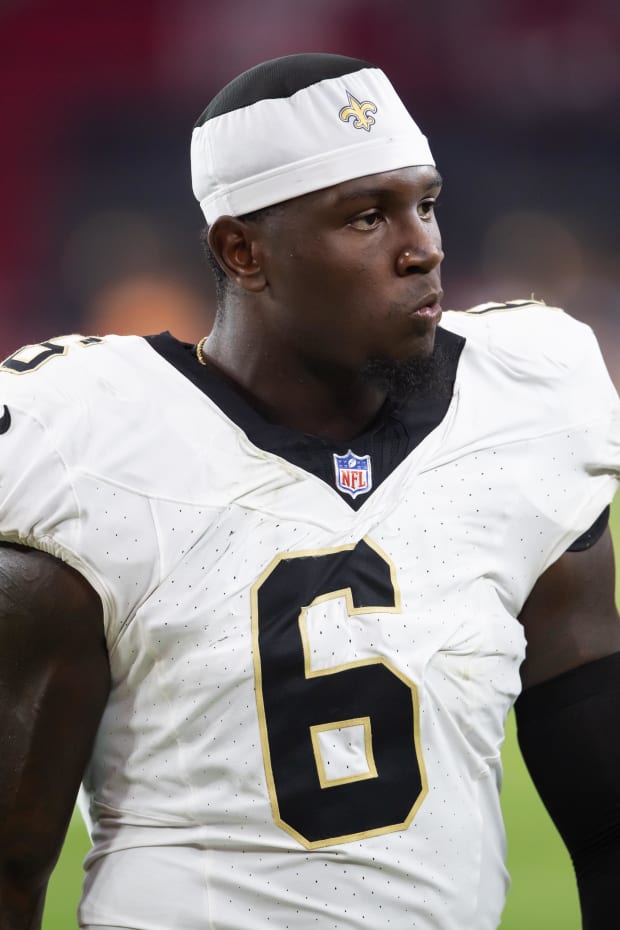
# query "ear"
(233, 244)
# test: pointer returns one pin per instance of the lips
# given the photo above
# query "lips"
(429, 306)
(431, 300)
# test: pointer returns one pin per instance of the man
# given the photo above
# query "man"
(268, 596)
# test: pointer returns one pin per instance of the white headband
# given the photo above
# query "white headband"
(276, 149)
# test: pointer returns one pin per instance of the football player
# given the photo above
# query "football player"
(269, 597)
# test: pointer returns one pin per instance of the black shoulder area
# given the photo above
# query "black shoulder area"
(280, 77)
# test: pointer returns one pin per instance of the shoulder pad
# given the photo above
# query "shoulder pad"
(508, 305)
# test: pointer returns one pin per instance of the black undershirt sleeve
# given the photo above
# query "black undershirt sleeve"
(592, 535)
(569, 734)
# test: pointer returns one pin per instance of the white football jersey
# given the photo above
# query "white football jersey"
(308, 700)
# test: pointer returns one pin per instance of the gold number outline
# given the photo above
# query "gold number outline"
(262, 720)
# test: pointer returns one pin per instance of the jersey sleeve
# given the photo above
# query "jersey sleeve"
(39, 506)
(52, 497)
(539, 386)
(570, 388)
(592, 536)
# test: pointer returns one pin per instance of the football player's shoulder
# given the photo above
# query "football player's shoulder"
(67, 371)
(527, 335)
(59, 388)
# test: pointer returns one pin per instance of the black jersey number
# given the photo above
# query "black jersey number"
(30, 358)
(297, 705)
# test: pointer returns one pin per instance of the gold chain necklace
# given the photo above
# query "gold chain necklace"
(200, 355)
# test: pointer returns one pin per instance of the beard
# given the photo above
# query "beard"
(430, 375)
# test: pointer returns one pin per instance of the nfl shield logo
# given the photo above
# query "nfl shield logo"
(353, 473)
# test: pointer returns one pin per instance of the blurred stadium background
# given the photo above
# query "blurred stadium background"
(100, 230)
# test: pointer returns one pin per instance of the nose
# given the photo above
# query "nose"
(421, 256)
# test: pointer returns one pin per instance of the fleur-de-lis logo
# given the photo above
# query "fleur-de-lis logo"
(359, 113)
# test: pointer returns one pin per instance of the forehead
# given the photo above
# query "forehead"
(408, 183)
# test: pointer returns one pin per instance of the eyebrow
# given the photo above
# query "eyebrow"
(357, 193)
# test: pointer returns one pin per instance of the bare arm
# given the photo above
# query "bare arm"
(54, 682)
(569, 718)
(570, 617)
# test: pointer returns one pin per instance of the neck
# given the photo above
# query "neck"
(334, 404)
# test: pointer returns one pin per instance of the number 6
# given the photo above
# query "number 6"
(295, 703)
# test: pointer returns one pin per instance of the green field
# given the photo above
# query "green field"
(542, 896)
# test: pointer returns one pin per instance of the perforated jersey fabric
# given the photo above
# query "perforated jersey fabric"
(307, 700)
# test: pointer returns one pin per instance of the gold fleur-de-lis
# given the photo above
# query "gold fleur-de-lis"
(359, 112)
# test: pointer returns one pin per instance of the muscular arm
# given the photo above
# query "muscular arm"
(570, 617)
(568, 718)
(54, 681)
